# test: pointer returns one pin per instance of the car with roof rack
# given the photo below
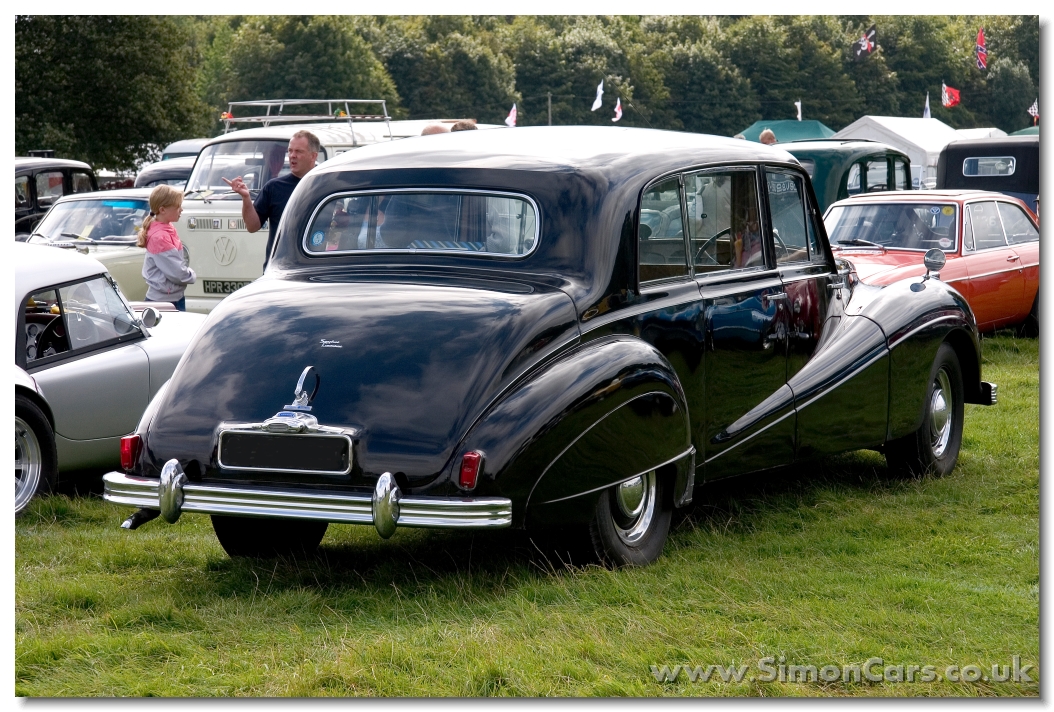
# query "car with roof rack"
(224, 254)
(486, 330)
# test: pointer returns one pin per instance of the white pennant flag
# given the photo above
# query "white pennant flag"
(926, 111)
(798, 104)
(600, 93)
(510, 120)
(618, 109)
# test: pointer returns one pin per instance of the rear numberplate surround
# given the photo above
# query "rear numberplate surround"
(301, 436)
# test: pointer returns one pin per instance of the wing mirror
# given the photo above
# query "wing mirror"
(934, 260)
(151, 317)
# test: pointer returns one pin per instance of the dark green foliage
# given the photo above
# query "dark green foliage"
(106, 89)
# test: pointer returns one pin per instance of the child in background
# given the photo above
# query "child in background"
(165, 266)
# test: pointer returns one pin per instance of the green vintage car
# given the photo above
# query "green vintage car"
(840, 168)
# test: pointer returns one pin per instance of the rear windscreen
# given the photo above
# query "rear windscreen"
(425, 221)
(990, 166)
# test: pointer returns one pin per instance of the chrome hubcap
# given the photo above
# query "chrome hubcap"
(635, 501)
(941, 405)
(28, 464)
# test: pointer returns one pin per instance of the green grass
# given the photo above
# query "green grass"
(832, 563)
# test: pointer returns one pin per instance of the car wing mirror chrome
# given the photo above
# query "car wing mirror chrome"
(934, 260)
(151, 317)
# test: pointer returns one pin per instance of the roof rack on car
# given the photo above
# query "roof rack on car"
(274, 108)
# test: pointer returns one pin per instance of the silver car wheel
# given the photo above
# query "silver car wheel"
(29, 460)
(941, 407)
(636, 500)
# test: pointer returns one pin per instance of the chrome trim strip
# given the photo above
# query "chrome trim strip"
(418, 251)
(346, 508)
(730, 448)
(690, 451)
(919, 328)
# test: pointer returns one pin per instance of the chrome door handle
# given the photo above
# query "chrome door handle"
(1013, 258)
(777, 295)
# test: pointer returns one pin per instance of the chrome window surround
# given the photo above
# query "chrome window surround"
(1011, 161)
(261, 429)
(414, 250)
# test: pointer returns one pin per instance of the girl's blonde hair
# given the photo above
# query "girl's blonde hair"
(163, 196)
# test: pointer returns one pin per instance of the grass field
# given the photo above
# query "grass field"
(830, 564)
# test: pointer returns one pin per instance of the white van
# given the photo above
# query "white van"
(223, 254)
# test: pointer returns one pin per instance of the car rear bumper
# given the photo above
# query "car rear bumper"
(386, 508)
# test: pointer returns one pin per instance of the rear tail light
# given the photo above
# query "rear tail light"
(471, 464)
(130, 447)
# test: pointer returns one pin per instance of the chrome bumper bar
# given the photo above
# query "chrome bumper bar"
(386, 508)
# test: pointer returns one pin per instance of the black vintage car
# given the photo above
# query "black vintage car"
(486, 329)
(1007, 165)
(39, 182)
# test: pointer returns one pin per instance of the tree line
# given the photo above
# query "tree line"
(110, 89)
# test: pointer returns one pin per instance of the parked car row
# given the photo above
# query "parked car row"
(512, 357)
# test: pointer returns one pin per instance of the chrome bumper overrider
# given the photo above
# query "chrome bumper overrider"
(386, 508)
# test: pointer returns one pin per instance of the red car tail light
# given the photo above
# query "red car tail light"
(130, 447)
(471, 463)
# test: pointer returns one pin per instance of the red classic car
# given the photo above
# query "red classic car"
(990, 239)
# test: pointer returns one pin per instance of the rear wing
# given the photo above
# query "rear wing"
(272, 111)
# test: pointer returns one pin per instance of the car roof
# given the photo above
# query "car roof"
(125, 193)
(41, 266)
(25, 162)
(624, 150)
(339, 133)
(846, 146)
(900, 196)
(187, 144)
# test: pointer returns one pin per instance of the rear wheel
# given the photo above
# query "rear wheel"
(266, 538)
(631, 521)
(934, 447)
(36, 463)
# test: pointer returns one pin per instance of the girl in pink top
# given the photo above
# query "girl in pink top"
(165, 267)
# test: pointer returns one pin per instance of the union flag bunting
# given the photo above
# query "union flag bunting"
(949, 96)
(982, 51)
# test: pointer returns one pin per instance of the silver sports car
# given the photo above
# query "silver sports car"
(86, 364)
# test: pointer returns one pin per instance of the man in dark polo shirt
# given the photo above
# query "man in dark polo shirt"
(270, 203)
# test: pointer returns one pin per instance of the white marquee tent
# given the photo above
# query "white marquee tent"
(921, 139)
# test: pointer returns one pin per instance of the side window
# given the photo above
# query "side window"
(76, 316)
(660, 233)
(21, 192)
(786, 193)
(49, 187)
(853, 181)
(968, 241)
(877, 175)
(723, 226)
(81, 182)
(987, 228)
(903, 175)
(45, 332)
(1018, 227)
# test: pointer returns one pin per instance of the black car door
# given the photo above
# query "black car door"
(748, 419)
(828, 418)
